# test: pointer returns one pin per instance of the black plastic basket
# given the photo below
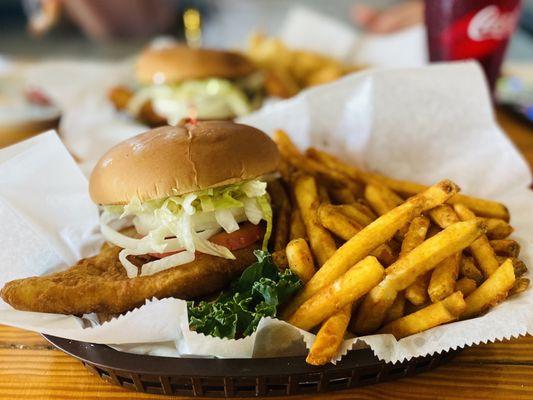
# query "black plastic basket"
(261, 377)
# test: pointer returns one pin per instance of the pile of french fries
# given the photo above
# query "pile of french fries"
(380, 255)
(289, 71)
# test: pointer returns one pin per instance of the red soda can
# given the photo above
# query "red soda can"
(471, 29)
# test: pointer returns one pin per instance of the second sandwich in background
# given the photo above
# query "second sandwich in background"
(175, 81)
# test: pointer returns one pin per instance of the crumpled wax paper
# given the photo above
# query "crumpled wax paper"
(422, 124)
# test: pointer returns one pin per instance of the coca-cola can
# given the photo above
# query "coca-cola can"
(471, 29)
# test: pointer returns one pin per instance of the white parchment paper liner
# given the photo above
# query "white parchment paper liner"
(420, 124)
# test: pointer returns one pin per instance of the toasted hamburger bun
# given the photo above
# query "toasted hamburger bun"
(179, 63)
(174, 160)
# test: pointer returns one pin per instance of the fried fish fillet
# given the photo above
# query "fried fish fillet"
(99, 284)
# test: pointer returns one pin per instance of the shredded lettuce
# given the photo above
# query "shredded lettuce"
(185, 222)
(212, 98)
(258, 293)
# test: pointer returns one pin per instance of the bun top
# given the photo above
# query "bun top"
(182, 159)
(179, 62)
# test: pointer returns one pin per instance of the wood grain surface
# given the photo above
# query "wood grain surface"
(31, 369)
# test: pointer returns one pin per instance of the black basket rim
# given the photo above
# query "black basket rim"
(107, 357)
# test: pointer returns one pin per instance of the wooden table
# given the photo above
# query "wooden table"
(31, 369)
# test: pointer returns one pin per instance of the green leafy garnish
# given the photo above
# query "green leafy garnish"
(259, 291)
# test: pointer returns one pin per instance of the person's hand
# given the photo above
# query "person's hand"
(103, 19)
(389, 20)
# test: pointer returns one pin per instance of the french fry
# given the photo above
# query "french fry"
(444, 277)
(415, 235)
(381, 199)
(336, 223)
(520, 285)
(378, 232)
(519, 266)
(480, 207)
(329, 338)
(305, 192)
(407, 269)
(286, 170)
(120, 96)
(506, 247)
(292, 155)
(433, 230)
(468, 269)
(297, 229)
(354, 213)
(491, 292)
(342, 195)
(417, 293)
(300, 259)
(446, 310)
(465, 286)
(385, 254)
(481, 249)
(323, 194)
(498, 228)
(397, 310)
(343, 291)
(283, 212)
(280, 259)
(444, 215)
(432, 251)
(362, 206)
(334, 163)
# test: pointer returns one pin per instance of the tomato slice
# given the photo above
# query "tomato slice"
(244, 237)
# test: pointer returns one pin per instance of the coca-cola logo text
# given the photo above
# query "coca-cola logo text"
(491, 23)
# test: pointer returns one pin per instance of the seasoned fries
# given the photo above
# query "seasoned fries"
(506, 247)
(416, 233)
(468, 269)
(305, 192)
(336, 223)
(498, 228)
(520, 285)
(289, 71)
(378, 232)
(342, 195)
(408, 268)
(465, 286)
(297, 229)
(446, 310)
(491, 292)
(356, 282)
(357, 213)
(481, 207)
(381, 199)
(300, 259)
(397, 310)
(329, 337)
(443, 278)
(481, 249)
(441, 265)
(283, 212)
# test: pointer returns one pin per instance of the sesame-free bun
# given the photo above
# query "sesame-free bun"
(179, 62)
(182, 159)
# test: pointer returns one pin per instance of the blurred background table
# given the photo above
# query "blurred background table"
(31, 368)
